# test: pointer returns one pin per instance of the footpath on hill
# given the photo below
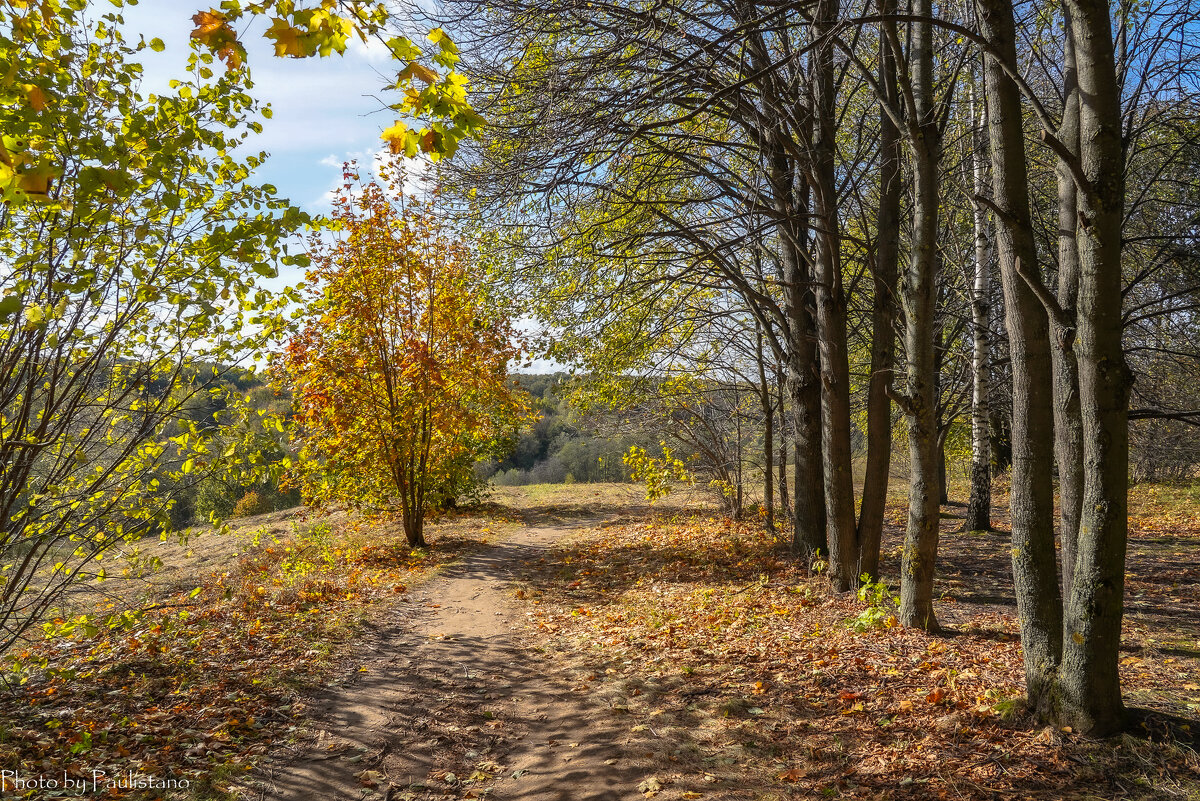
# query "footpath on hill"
(448, 700)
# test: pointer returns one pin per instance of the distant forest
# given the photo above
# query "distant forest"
(563, 446)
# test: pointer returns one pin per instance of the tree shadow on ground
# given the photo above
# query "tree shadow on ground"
(890, 715)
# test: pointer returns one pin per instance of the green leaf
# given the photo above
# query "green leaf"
(9, 305)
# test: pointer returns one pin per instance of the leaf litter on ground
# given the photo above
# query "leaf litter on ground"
(743, 677)
(201, 688)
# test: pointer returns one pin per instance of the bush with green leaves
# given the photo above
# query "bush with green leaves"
(130, 242)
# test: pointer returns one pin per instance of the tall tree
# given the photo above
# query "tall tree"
(1068, 424)
(1032, 501)
(1090, 687)
(884, 272)
(979, 505)
(917, 297)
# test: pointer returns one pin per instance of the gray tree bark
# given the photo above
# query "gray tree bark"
(883, 313)
(803, 384)
(1068, 426)
(1035, 573)
(785, 503)
(917, 296)
(1089, 697)
(831, 314)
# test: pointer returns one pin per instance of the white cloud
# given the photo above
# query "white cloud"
(417, 172)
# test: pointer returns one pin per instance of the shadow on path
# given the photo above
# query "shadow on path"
(449, 702)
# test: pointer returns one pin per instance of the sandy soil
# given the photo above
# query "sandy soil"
(449, 700)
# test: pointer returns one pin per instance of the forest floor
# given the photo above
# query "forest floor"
(574, 642)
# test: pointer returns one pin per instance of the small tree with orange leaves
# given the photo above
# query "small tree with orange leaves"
(400, 373)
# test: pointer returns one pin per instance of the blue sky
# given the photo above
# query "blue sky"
(325, 110)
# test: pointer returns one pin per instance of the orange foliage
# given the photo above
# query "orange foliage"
(400, 375)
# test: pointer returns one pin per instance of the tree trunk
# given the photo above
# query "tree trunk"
(917, 295)
(414, 531)
(802, 363)
(883, 336)
(735, 499)
(804, 393)
(831, 317)
(785, 503)
(979, 507)
(943, 429)
(1035, 577)
(1068, 427)
(1089, 697)
(939, 357)
(766, 403)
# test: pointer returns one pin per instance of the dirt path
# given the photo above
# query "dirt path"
(449, 703)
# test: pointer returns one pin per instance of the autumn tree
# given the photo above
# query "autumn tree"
(432, 101)
(130, 242)
(400, 373)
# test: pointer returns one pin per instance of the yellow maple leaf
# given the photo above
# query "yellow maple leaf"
(287, 39)
(420, 71)
(394, 136)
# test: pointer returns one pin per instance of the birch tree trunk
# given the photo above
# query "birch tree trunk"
(979, 506)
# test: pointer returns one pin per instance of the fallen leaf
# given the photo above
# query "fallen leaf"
(369, 778)
(649, 786)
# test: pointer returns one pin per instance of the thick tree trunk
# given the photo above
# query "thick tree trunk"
(1068, 427)
(883, 312)
(918, 295)
(804, 395)
(979, 506)
(1035, 575)
(414, 531)
(801, 361)
(1089, 697)
(803, 384)
(831, 318)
